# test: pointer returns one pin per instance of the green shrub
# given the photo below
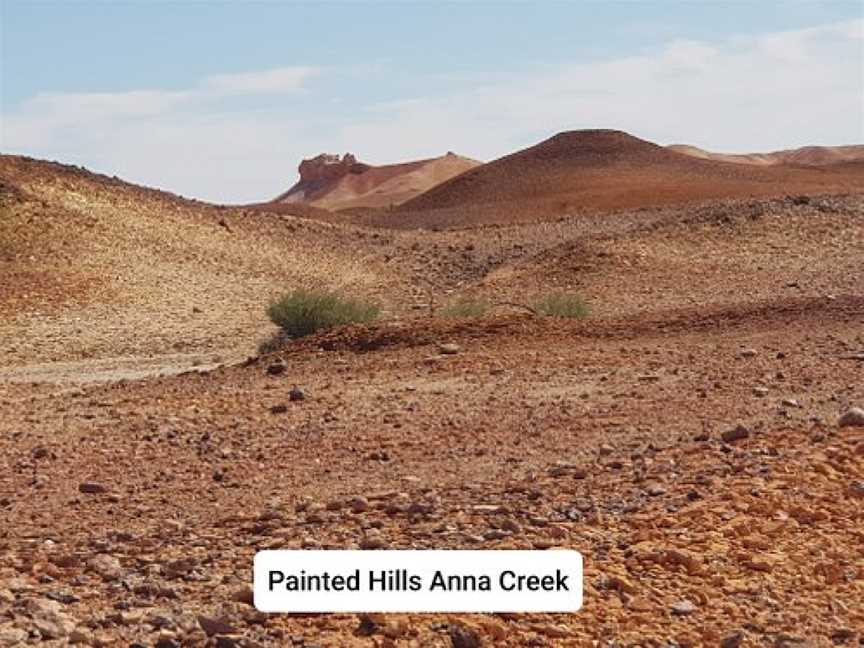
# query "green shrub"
(465, 308)
(302, 312)
(561, 304)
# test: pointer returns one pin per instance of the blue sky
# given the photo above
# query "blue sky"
(220, 101)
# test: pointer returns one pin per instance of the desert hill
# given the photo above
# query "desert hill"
(130, 271)
(604, 170)
(666, 437)
(804, 156)
(335, 183)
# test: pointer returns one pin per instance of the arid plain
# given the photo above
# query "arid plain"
(697, 437)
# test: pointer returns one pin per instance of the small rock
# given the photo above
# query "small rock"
(733, 640)
(276, 368)
(49, 619)
(373, 541)
(747, 353)
(735, 434)
(296, 394)
(449, 348)
(856, 489)
(166, 641)
(852, 418)
(91, 488)
(760, 391)
(464, 637)
(212, 626)
(108, 567)
(359, 504)
(790, 402)
(842, 635)
(244, 594)
(683, 608)
(278, 409)
(11, 636)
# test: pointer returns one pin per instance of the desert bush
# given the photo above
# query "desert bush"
(465, 308)
(302, 312)
(562, 304)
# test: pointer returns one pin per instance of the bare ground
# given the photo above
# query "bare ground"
(609, 435)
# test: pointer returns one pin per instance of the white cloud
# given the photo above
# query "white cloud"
(749, 93)
(287, 79)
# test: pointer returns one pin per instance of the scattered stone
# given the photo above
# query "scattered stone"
(166, 642)
(464, 637)
(359, 504)
(92, 488)
(11, 636)
(790, 402)
(279, 409)
(244, 594)
(856, 489)
(733, 640)
(449, 348)
(276, 368)
(760, 391)
(735, 434)
(747, 353)
(108, 567)
(296, 394)
(683, 608)
(854, 417)
(842, 635)
(49, 618)
(212, 626)
(373, 541)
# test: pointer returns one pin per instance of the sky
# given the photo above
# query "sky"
(221, 100)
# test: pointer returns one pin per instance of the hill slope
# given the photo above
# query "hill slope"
(121, 270)
(332, 183)
(805, 156)
(601, 170)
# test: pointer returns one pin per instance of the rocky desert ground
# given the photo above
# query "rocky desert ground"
(699, 437)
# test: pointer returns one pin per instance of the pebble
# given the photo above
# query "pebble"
(373, 541)
(92, 488)
(449, 348)
(463, 637)
(296, 394)
(760, 391)
(49, 618)
(276, 368)
(212, 626)
(11, 636)
(108, 567)
(359, 504)
(854, 417)
(735, 434)
(747, 353)
(733, 640)
(683, 608)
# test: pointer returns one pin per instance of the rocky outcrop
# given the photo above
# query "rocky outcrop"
(332, 182)
(329, 167)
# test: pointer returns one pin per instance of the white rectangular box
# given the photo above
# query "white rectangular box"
(418, 581)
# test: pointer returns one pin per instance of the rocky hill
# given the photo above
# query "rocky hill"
(335, 183)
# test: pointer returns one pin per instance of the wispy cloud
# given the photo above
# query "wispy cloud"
(759, 92)
(278, 80)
